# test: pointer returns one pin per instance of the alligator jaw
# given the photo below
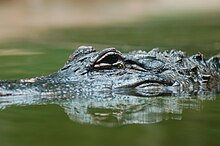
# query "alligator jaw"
(17, 87)
(148, 87)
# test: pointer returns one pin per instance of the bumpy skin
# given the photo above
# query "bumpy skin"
(136, 73)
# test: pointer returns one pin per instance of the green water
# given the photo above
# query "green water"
(50, 125)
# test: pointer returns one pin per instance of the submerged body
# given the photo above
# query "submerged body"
(137, 73)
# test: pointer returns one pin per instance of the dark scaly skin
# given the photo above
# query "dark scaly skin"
(138, 73)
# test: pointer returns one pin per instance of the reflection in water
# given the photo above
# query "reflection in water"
(112, 109)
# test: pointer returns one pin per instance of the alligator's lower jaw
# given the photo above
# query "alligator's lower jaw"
(146, 88)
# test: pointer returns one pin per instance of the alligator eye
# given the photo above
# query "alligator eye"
(108, 60)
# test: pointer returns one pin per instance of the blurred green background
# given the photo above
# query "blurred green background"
(37, 36)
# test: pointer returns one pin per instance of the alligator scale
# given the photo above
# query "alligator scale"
(139, 73)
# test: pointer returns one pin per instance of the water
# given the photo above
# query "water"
(141, 121)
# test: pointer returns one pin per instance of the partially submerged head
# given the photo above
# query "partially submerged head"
(146, 73)
(139, 72)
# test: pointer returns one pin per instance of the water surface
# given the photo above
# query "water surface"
(171, 121)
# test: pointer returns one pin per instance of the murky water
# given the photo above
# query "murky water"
(102, 119)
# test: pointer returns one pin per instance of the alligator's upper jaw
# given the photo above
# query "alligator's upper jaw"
(19, 87)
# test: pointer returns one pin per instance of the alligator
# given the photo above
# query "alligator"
(153, 73)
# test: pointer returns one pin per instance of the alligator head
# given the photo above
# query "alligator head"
(140, 73)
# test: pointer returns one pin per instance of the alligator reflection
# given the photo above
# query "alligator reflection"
(113, 109)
